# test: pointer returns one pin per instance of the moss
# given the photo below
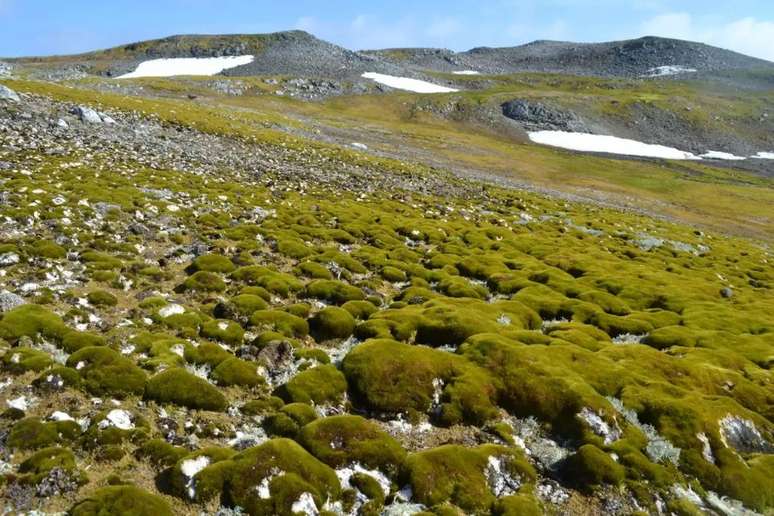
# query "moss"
(68, 376)
(105, 372)
(393, 377)
(272, 281)
(100, 261)
(360, 310)
(314, 270)
(262, 406)
(206, 353)
(298, 309)
(212, 263)
(160, 453)
(235, 371)
(316, 354)
(333, 291)
(20, 360)
(246, 304)
(228, 332)
(75, 340)
(332, 322)
(669, 336)
(522, 504)
(456, 474)
(122, 500)
(204, 281)
(369, 486)
(180, 387)
(303, 473)
(31, 433)
(282, 322)
(294, 248)
(301, 413)
(102, 298)
(47, 249)
(342, 440)
(321, 384)
(393, 274)
(39, 464)
(31, 321)
(590, 466)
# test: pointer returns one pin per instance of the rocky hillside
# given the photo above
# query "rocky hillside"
(631, 58)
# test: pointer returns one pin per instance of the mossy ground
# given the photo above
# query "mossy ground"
(457, 311)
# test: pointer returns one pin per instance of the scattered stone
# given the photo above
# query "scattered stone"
(87, 115)
(8, 94)
(9, 301)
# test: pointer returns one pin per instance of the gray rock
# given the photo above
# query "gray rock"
(9, 301)
(8, 94)
(726, 292)
(742, 435)
(538, 116)
(7, 259)
(87, 115)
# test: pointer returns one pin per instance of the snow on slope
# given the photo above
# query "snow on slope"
(764, 155)
(467, 72)
(187, 66)
(607, 144)
(722, 155)
(664, 71)
(404, 83)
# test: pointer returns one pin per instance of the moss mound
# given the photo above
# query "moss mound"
(124, 500)
(105, 372)
(180, 387)
(332, 323)
(321, 384)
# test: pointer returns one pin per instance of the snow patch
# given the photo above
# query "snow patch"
(664, 71)
(118, 418)
(466, 72)
(764, 155)
(607, 144)
(305, 505)
(171, 310)
(187, 66)
(404, 83)
(722, 155)
(190, 468)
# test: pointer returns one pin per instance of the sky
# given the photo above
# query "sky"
(44, 27)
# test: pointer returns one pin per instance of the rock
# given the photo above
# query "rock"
(8, 94)
(9, 301)
(276, 354)
(538, 116)
(62, 123)
(87, 115)
(742, 435)
(7, 259)
(726, 292)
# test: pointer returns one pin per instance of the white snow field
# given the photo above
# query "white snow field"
(607, 144)
(404, 83)
(467, 72)
(187, 66)
(722, 155)
(664, 71)
(764, 155)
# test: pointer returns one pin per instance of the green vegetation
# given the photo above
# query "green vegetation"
(180, 387)
(122, 500)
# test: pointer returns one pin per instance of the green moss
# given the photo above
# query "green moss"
(332, 322)
(669, 336)
(321, 384)
(518, 505)
(279, 321)
(206, 353)
(228, 332)
(262, 406)
(389, 376)
(393, 274)
(204, 281)
(100, 261)
(298, 309)
(160, 453)
(75, 340)
(342, 440)
(68, 376)
(31, 321)
(590, 466)
(360, 310)
(314, 270)
(31, 433)
(122, 500)
(212, 263)
(235, 371)
(40, 463)
(105, 372)
(333, 291)
(246, 304)
(272, 281)
(180, 387)
(47, 249)
(456, 474)
(102, 298)
(20, 360)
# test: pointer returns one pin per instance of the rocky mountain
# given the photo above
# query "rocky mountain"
(631, 58)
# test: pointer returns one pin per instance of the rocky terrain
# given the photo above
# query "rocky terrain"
(218, 297)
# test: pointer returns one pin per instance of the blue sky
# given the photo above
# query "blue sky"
(40, 27)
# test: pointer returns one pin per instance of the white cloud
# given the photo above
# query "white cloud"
(749, 35)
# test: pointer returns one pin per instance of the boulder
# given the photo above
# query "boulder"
(8, 94)
(87, 115)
